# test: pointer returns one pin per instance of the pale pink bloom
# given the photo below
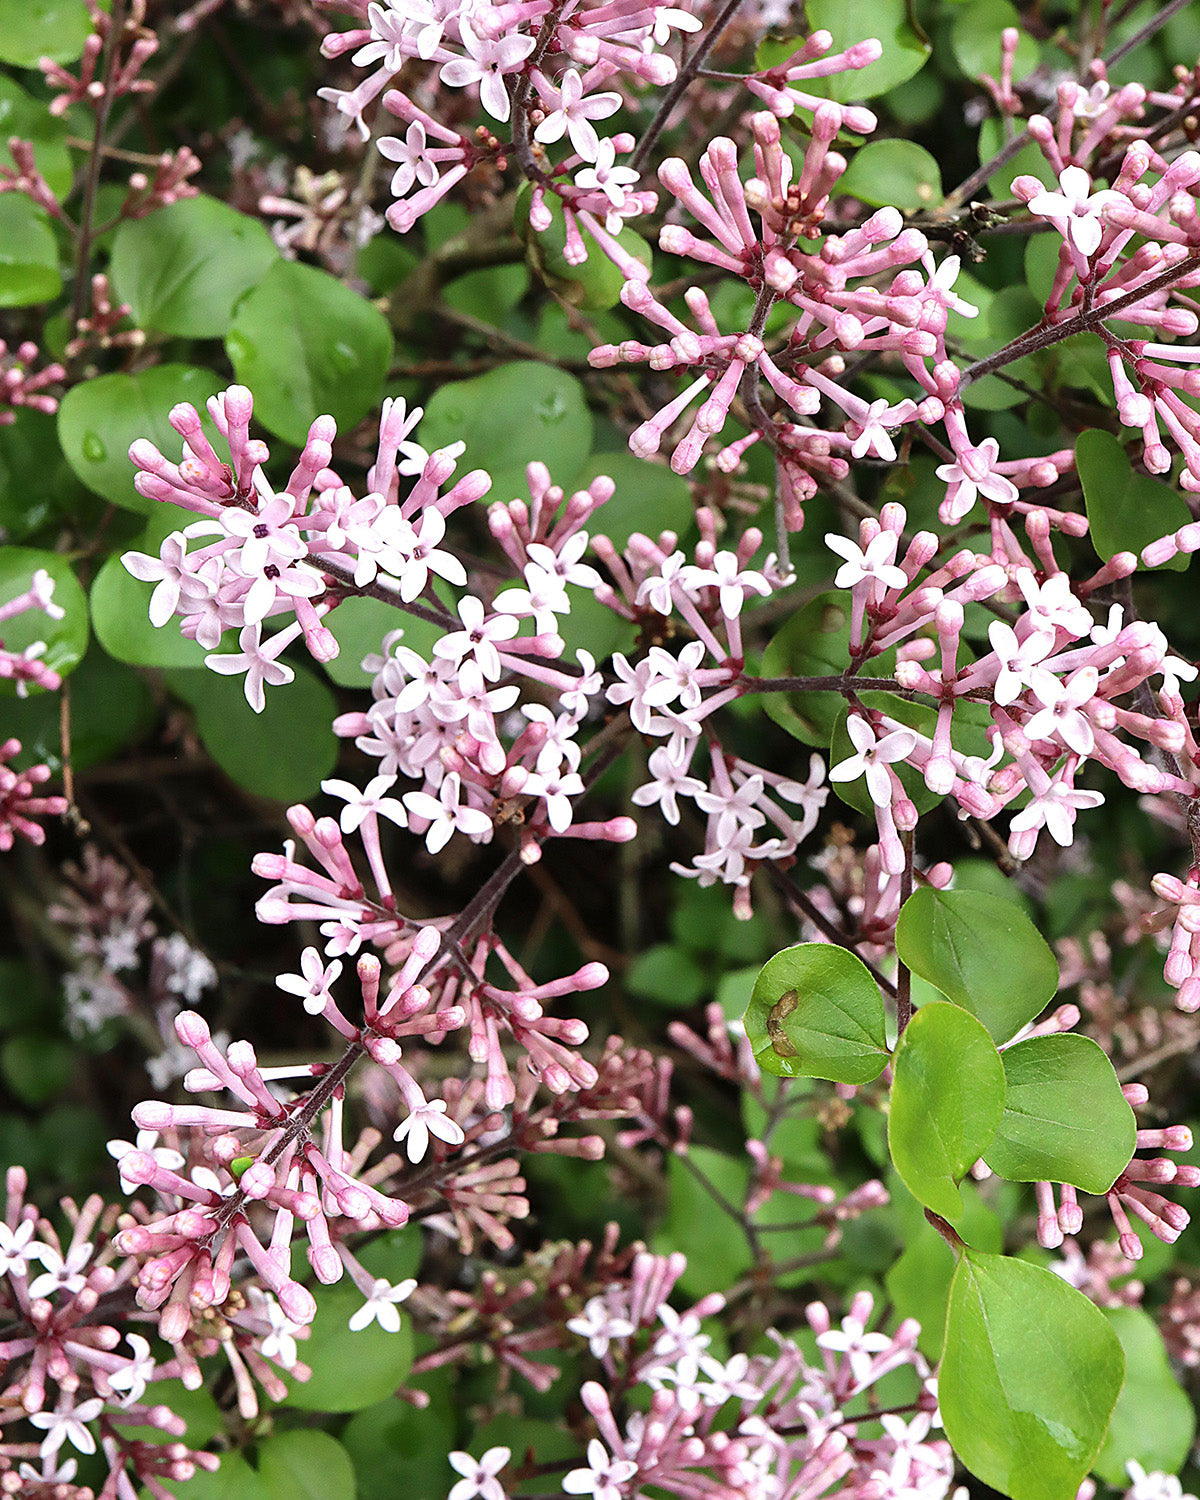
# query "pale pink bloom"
(17, 1248)
(60, 1275)
(380, 1306)
(1075, 210)
(410, 553)
(479, 1475)
(165, 1156)
(859, 1346)
(1060, 717)
(670, 780)
(971, 475)
(488, 61)
(604, 1477)
(940, 286)
(1052, 605)
(606, 177)
(873, 758)
(279, 1345)
(478, 636)
(259, 665)
(544, 597)
(574, 113)
(877, 562)
(428, 1117)
(1054, 809)
(733, 582)
(171, 575)
(413, 162)
(599, 1324)
(557, 790)
(68, 1426)
(371, 799)
(132, 1378)
(313, 982)
(1016, 658)
(446, 814)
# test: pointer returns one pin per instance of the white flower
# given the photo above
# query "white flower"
(1016, 658)
(574, 116)
(17, 1248)
(1055, 809)
(371, 801)
(68, 1426)
(165, 1156)
(313, 982)
(380, 1306)
(259, 665)
(479, 1476)
(604, 1476)
(427, 1118)
(132, 1378)
(280, 1343)
(1059, 717)
(599, 1325)
(1075, 210)
(670, 780)
(445, 814)
(60, 1275)
(606, 177)
(1154, 1485)
(489, 60)
(873, 758)
(859, 1346)
(970, 476)
(877, 562)
(414, 163)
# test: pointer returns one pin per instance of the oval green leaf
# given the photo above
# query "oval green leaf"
(986, 955)
(121, 603)
(1126, 511)
(66, 639)
(307, 346)
(28, 254)
(905, 49)
(33, 29)
(98, 419)
(816, 1013)
(284, 752)
(947, 1099)
(1065, 1117)
(305, 1464)
(1030, 1374)
(894, 171)
(1154, 1422)
(509, 417)
(182, 268)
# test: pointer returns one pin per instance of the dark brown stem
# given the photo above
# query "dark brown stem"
(685, 76)
(91, 182)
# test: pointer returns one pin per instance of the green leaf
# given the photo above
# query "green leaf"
(1065, 1117)
(33, 29)
(393, 1437)
(234, 1480)
(99, 418)
(815, 642)
(1125, 510)
(509, 417)
(305, 1464)
(28, 253)
(307, 346)
(182, 268)
(668, 976)
(986, 955)
(1030, 1374)
(975, 39)
(28, 118)
(1154, 1422)
(110, 707)
(947, 1099)
(817, 1013)
(905, 49)
(66, 639)
(121, 604)
(350, 1370)
(895, 171)
(283, 752)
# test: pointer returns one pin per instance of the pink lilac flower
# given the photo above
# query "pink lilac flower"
(479, 1475)
(605, 1476)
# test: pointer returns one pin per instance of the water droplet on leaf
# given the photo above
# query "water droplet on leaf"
(93, 448)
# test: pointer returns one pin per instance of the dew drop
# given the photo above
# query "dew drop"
(343, 358)
(552, 410)
(239, 347)
(93, 448)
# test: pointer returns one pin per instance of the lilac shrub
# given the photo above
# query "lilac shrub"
(973, 646)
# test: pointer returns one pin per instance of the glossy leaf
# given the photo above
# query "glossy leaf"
(360, 625)
(1125, 510)
(66, 639)
(509, 417)
(947, 1099)
(283, 752)
(1030, 1374)
(28, 254)
(33, 29)
(99, 418)
(905, 49)
(182, 268)
(986, 955)
(234, 1480)
(307, 346)
(305, 1464)
(894, 171)
(1154, 1422)
(1065, 1117)
(817, 1013)
(350, 1370)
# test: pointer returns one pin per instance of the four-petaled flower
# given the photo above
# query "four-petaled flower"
(427, 1117)
(380, 1306)
(873, 758)
(479, 1475)
(574, 116)
(878, 562)
(1074, 210)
